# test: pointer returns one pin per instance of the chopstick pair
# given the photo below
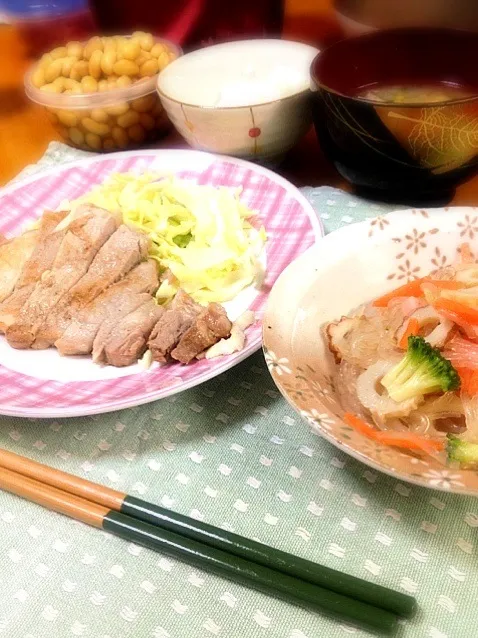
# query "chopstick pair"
(242, 560)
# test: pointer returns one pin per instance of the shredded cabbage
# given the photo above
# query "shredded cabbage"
(199, 233)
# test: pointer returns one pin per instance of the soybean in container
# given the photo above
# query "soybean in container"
(101, 94)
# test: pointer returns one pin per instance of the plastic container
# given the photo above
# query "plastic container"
(115, 119)
(44, 24)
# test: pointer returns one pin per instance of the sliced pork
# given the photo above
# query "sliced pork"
(119, 254)
(172, 325)
(128, 340)
(108, 309)
(82, 281)
(46, 250)
(84, 237)
(15, 253)
(40, 260)
(211, 325)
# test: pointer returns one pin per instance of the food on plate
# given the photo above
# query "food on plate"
(136, 275)
(12, 257)
(200, 235)
(122, 251)
(175, 321)
(100, 315)
(407, 364)
(71, 80)
(85, 235)
(39, 261)
(128, 339)
(209, 325)
(16, 252)
(235, 341)
(416, 94)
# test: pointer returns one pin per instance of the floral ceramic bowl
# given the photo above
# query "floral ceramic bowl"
(345, 269)
(249, 98)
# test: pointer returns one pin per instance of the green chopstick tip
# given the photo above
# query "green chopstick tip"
(397, 603)
(413, 608)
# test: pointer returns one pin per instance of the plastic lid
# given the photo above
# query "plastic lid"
(31, 8)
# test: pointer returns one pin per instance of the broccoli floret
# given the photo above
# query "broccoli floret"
(421, 371)
(462, 452)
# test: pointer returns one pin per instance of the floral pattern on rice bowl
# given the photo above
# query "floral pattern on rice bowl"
(346, 269)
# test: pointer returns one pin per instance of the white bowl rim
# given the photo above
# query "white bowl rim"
(302, 93)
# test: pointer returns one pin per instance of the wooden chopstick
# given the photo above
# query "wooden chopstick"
(250, 574)
(344, 584)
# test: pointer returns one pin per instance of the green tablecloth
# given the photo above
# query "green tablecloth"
(233, 453)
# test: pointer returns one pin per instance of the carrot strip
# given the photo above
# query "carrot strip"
(469, 380)
(410, 441)
(414, 289)
(444, 284)
(406, 440)
(467, 314)
(359, 425)
(468, 329)
(411, 331)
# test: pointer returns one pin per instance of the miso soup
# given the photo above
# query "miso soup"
(416, 94)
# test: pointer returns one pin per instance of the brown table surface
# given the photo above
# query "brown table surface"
(25, 130)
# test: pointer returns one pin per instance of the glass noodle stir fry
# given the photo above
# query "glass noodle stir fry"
(407, 365)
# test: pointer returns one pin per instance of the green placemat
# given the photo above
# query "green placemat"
(233, 453)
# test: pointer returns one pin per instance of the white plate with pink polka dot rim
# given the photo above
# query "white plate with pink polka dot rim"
(43, 384)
